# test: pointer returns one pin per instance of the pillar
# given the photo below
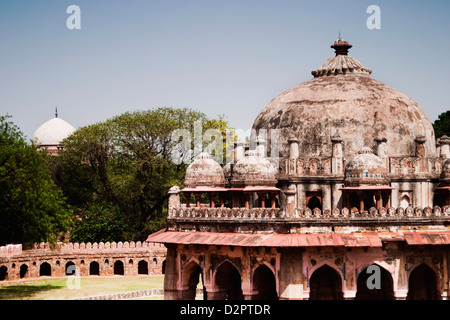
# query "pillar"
(272, 200)
(326, 197)
(337, 162)
(171, 273)
(187, 195)
(261, 147)
(174, 198)
(197, 199)
(291, 274)
(293, 148)
(382, 150)
(262, 198)
(247, 200)
(379, 199)
(444, 142)
(211, 199)
(238, 151)
(290, 200)
(420, 148)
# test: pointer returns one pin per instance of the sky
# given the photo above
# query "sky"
(220, 57)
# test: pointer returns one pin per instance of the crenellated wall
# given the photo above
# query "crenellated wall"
(90, 259)
(10, 250)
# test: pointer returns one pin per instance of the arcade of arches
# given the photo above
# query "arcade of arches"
(315, 274)
(146, 260)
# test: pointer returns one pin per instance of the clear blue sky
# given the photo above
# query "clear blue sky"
(217, 56)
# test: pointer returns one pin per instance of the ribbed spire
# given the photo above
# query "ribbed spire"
(341, 63)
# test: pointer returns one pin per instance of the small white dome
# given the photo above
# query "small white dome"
(52, 132)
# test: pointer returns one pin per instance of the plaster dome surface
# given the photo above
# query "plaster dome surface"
(52, 132)
(204, 171)
(343, 99)
(254, 169)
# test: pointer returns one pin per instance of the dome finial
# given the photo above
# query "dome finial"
(56, 112)
(341, 46)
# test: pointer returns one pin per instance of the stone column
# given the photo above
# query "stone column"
(197, 199)
(444, 141)
(438, 149)
(382, 150)
(293, 147)
(326, 197)
(291, 274)
(212, 194)
(171, 273)
(261, 147)
(337, 162)
(238, 151)
(290, 200)
(301, 196)
(420, 147)
(174, 198)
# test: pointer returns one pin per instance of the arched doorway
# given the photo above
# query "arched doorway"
(314, 202)
(118, 268)
(3, 273)
(45, 269)
(366, 292)
(23, 271)
(142, 267)
(192, 273)
(228, 281)
(423, 284)
(70, 268)
(264, 283)
(325, 284)
(94, 268)
(405, 202)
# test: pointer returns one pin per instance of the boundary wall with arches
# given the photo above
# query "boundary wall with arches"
(86, 259)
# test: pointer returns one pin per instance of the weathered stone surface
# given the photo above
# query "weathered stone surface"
(360, 108)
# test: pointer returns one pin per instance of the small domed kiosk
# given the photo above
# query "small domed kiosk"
(203, 175)
(366, 182)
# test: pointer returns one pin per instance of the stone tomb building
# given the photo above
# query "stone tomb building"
(359, 185)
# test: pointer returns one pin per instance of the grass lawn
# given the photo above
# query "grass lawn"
(56, 289)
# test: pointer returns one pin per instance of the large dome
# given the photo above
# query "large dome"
(342, 98)
(52, 132)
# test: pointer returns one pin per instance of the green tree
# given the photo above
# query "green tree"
(442, 125)
(100, 222)
(126, 163)
(32, 207)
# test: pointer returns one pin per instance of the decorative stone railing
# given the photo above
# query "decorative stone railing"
(398, 166)
(373, 213)
(225, 213)
(100, 247)
(267, 214)
(10, 250)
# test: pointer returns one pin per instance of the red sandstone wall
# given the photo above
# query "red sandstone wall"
(137, 258)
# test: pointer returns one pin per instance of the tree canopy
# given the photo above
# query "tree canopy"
(117, 173)
(32, 207)
(442, 125)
